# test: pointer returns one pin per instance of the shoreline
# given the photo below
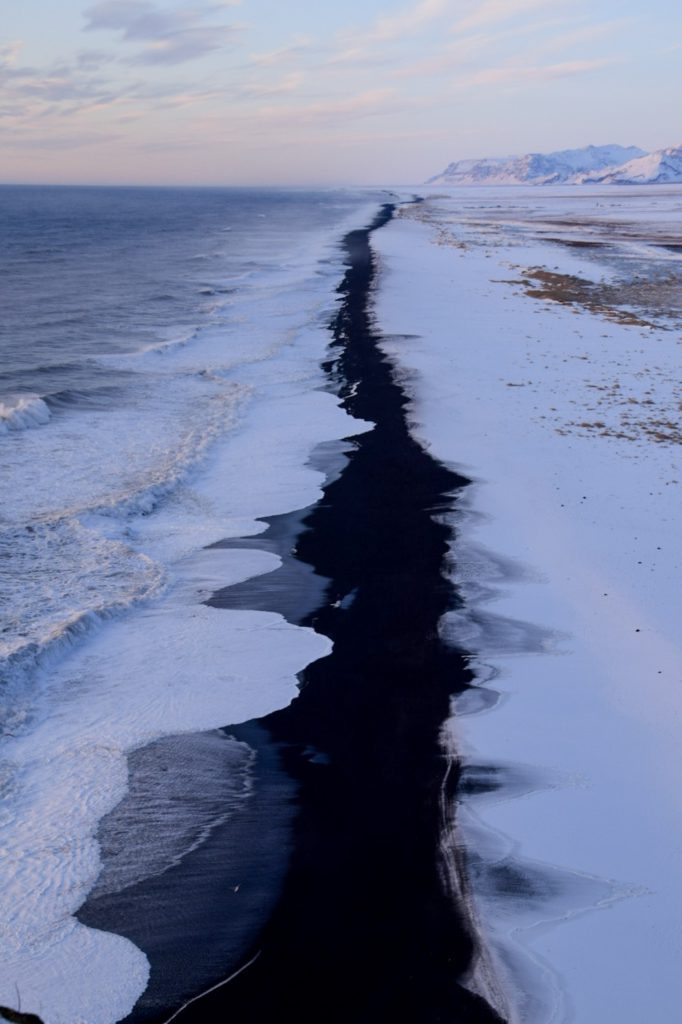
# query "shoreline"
(202, 913)
(247, 845)
(338, 745)
(211, 428)
(365, 926)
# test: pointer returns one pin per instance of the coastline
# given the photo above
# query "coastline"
(364, 915)
(446, 591)
(365, 925)
(238, 395)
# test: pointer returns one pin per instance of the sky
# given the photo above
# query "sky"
(296, 92)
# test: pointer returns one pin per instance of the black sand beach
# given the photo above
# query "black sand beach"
(351, 781)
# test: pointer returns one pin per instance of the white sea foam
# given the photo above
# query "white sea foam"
(21, 412)
(88, 475)
(67, 558)
(178, 666)
(58, 582)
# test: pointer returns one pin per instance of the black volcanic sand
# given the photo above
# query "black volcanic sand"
(364, 930)
(349, 778)
(195, 920)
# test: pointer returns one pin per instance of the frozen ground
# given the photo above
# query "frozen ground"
(540, 336)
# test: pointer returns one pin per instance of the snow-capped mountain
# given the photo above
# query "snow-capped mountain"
(564, 167)
(665, 165)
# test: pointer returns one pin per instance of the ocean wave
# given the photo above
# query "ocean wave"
(22, 412)
(62, 582)
(69, 559)
(90, 398)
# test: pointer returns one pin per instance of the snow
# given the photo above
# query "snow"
(566, 166)
(567, 555)
(663, 166)
(592, 157)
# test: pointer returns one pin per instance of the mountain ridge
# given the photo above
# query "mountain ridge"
(663, 166)
(609, 164)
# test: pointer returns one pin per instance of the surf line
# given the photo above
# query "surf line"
(366, 928)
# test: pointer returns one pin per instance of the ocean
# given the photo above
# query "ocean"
(160, 391)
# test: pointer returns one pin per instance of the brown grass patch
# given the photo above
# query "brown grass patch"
(602, 300)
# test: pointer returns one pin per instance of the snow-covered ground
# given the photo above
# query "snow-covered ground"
(563, 408)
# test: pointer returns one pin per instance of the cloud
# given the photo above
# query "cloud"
(286, 84)
(62, 88)
(364, 104)
(519, 75)
(373, 136)
(179, 47)
(363, 46)
(59, 91)
(479, 24)
(90, 60)
(457, 53)
(9, 53)
(361, 57)
(409, 20)
(57, 85)
(284, 54)
(175, 98)
(492, 12)
(172, 36)
(54, 142)
(587, 34)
